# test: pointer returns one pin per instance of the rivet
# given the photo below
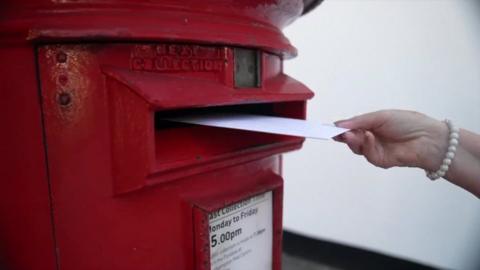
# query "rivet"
(64, 99)
(61, 57)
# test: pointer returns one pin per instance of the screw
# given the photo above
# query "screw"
(64, 99)
(61, 57)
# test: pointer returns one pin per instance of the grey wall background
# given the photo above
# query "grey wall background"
(361, 56)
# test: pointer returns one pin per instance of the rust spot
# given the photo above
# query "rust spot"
(61, 57)
(64, 99)
(69, 67)
(32, 34)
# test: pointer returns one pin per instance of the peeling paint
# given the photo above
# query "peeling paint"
(69, 78)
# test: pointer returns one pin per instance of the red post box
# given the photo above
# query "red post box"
(92, 177)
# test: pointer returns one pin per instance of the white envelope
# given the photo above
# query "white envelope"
(262, 123)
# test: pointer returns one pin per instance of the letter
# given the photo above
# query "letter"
(137, 63)
(161, 49)
(172, 50)
(185, 65)
(176, 64)
(208, 65)
(194, 64)
(218, 65)
(196, 50)
(148, 64)
(186, 51)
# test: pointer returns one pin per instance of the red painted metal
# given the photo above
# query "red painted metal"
(91, 177)
(26, 235)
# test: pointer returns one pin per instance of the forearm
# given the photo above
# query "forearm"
(470, 141)
(465, 168)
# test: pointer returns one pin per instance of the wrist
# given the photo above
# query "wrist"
(435, 145)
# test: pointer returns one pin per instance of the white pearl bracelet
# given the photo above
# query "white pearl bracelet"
(452, 147)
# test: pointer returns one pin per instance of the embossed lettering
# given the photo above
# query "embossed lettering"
(177, 58)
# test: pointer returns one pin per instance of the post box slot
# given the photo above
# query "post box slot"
(148, 151)
(178, 144)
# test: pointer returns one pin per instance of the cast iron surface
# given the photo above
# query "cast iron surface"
(58, 203)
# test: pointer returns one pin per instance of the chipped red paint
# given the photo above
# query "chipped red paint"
(91, 177)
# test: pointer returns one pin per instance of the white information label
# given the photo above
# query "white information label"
(241, 235)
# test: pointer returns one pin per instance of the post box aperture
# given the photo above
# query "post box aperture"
(179, 86)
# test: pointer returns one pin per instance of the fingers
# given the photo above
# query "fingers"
(373, 153)
(364, 121)
(365, 143)
(355, 139)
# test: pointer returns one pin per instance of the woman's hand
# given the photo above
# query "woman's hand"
(397, 138)
(403, 138)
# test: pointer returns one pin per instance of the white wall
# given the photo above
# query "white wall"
(360, 56)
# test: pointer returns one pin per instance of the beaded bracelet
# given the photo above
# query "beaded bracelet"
(452, 147)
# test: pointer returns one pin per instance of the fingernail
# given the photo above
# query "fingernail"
(341, 123)
(339, 138)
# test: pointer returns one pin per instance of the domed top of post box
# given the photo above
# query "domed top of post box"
(252, 23)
